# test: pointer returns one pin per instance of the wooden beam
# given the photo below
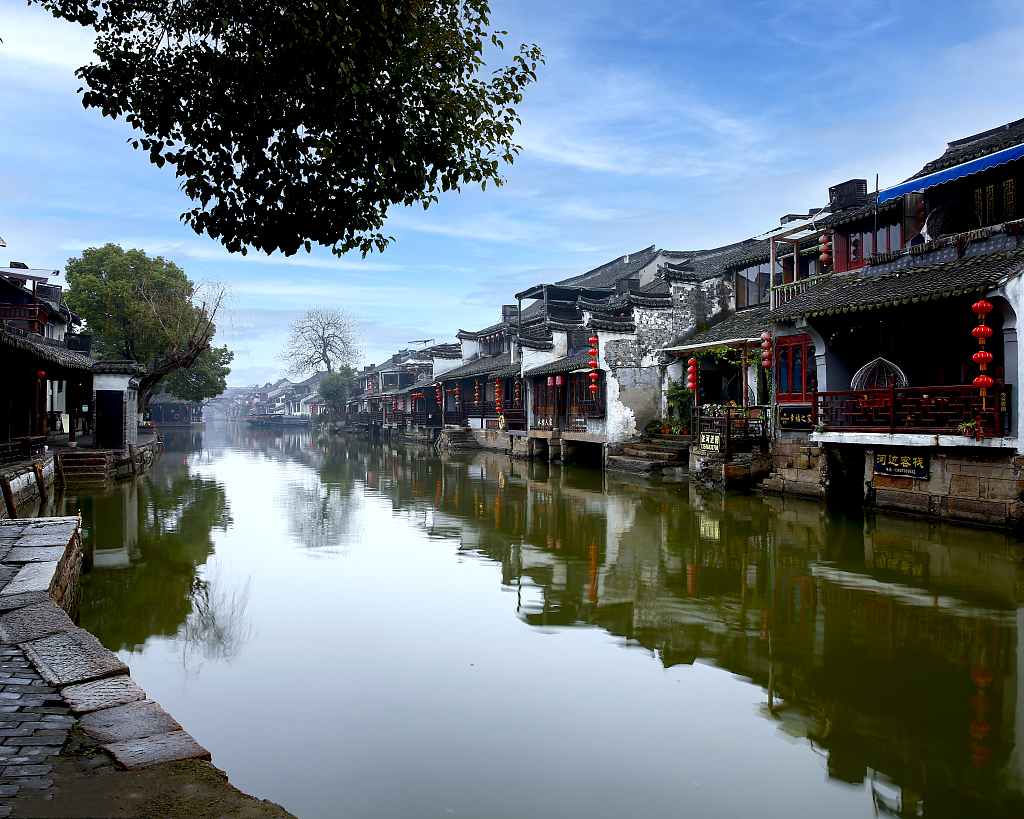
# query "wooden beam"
(12, 508)
(59, 469)
(37, 467)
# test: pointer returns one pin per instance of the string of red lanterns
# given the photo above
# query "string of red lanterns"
(519, 392)
(983, 357)
(594, 374)
(766, 350)
(825, 248)
(691, 375)
(476, 392)
(497, 396)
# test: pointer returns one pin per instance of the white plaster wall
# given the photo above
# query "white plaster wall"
(443, 365)
(1013, 293)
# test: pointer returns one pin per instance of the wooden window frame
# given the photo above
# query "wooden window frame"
(788, 343)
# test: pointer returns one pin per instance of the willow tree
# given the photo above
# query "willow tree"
(143, 309)
(298, 121)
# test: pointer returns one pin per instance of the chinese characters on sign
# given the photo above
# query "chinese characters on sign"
(902, 464)
(913, 565)
(795, 417)
(711, 441)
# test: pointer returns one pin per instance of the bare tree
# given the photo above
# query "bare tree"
(321, 338)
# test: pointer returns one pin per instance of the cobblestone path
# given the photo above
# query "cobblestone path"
(34, 725)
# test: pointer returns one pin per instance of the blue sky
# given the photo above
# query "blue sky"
(680, 124)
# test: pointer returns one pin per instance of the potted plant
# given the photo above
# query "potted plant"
(968, 428)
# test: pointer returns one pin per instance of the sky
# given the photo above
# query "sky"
(683, 124)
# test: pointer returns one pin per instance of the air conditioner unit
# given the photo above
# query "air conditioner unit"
(848, 194)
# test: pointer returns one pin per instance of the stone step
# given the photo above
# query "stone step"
(660, 447)
(649, 455)
(658, 436)
(629, 464)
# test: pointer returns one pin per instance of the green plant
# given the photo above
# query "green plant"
(968, 427)
(680, 399)
(654, 425)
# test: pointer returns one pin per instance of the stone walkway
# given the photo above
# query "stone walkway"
(34, 725)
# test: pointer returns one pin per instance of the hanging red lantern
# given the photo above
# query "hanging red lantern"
(825, 258)
(766, 336)
(982, 357)
(594, 388)
(982, 307)
(594, 376)
(559, 381)
(593, 364)
(41, 374)
(593, 352)
(593, 341)
(551, 381)
(692, 362)
(982, 331)
(983, 382)
(766, 345)
(691, 369)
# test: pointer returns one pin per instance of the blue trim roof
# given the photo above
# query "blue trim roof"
(949, 174)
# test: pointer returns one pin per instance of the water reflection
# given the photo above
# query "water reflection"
(891, 645)
(145, 540)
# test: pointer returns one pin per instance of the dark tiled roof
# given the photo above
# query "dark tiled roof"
(655, 287)
(973, 147)
(500, 327)
(859, 291)
(122, 367)
(843, 217)
(52, 352)
(614, 271)
(561, 365)
(706, 264)
(749, 323)
(616, 324)
(446, 351)
(481, 366)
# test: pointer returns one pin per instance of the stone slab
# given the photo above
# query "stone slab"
(36, 540)
(72, 657)
(34, 554)
(135, 720)
(99, 694)
(32, 577)
(33, 622)
(9, 602)
(136, 754)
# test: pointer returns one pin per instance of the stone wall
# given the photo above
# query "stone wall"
(972, 486)
(735, 469)
(24, 485)
(798, 468)
(492, 439)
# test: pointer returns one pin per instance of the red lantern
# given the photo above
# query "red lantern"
(592, 352)
(982, 357)
(766, 363)
(551, 381)
(594, 388)
(825, 258)
(983, 382)
(593, 364)
(594, 376)
(691, 369)
(692, 362)
(766, 336)
(981, 331)
(766, 345)
(41, 374)
(593, 341)
(559, 380)
(982, 307)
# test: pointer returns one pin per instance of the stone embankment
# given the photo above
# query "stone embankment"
(74, 726)
(656, 454)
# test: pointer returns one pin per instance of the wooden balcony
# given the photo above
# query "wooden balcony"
(29, 317)
(938, 410)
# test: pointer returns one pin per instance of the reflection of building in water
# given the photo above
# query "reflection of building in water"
(892, 645)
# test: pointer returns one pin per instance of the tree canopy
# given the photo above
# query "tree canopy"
(304, 121)
(143, 309)
(206, 378)
(335, 388)
(322, 338)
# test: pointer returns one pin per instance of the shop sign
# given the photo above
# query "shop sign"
(711, 441)
(902, 464)
(795, 417)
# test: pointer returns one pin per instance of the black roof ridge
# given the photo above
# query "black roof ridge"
(990, 132)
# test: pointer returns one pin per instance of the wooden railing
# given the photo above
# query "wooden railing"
(21, 449)
(914, 409)
(782, 293)
(730, 429)
(25, 316)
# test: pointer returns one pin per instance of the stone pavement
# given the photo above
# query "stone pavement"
(53, 673)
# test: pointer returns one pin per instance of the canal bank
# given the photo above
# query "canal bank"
(80, 738)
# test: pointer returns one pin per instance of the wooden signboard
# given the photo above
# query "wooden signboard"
(902, 464)
(711, 441)
(795, 417)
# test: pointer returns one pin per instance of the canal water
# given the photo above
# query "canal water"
(357, 629)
